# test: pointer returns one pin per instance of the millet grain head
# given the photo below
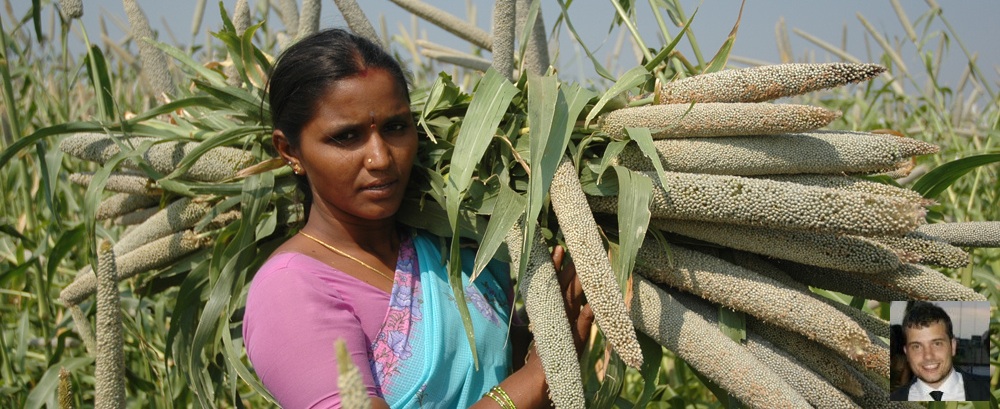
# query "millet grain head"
(743, 290)
(716, 119)
(543, 301)
(764, 83)
(702, 345)
(772, 204)
(819, 152)
(965, 234)
(584, 244)
(845, 252)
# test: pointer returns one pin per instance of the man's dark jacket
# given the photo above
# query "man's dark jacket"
(976, 388)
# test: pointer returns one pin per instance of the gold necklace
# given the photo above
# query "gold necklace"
(342, 253)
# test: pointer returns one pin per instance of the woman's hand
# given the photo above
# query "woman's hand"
(581, 317)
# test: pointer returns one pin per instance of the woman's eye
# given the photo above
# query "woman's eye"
(344, 137)
(397, 127)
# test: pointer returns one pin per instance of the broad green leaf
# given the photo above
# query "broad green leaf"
(214, 77)
(665, 51)
(611, 386)
(939, 179)
(644, 139)
(490, 102)
(652, 357)
(722, 56)
(595, 184)
(510, 207)
(733, 323)
(455, 279)
(233, 353)
(97, 68)
(47, 385)
(232, 265)
(8, 88)
(493, 96)
(441, 95)
(610, 153)
(631, 79)
(65, 245)
(240, 100)
(635, 193)
(551, 115)
(223, 138)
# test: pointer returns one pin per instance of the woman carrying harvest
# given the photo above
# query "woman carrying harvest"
(341, 114)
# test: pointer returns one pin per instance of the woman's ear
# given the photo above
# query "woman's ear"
(284, 148)
(287, 152)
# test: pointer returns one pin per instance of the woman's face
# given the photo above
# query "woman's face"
(358, 148)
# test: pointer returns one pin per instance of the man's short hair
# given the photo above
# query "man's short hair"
(922, 314)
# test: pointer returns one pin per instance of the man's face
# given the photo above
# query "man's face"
(929, 352)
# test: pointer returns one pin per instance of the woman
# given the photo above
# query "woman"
(342, 122)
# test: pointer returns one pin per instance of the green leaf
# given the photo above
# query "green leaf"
(455, 279)
(429, 215)
(47, 385)
(610, 153)
(442, 94)
(223, 138)
(510, 206)
(644, 139)
(733, 323)
(551, 115)
(611, 386)
(635, 193)
(247, 104)
(939, 179)
(722, 56)
(66, 244)
(631, 79)
(492, 97)
(214, 77)
(97, 67)
(652, 357)
(564, 17)
(233, 353)
(665, 52)
(232, 265)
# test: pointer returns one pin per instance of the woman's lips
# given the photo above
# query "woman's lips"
(381, 189)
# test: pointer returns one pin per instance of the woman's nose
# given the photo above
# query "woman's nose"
(377, 151)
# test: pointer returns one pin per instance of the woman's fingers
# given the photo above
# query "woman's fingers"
(581, 331)
(580, 316)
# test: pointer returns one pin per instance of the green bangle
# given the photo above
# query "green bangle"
(501, 398)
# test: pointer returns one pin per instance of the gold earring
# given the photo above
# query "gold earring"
(296, 169)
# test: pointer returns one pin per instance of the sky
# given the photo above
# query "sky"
(968, 318)
(836, 22)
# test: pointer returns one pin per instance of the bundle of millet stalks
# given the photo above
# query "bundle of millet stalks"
(757, 204)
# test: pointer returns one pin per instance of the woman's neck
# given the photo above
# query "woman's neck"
(377, 237)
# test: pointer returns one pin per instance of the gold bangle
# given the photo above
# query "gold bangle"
(501, 398)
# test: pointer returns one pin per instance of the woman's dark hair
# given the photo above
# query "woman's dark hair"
(305, 70)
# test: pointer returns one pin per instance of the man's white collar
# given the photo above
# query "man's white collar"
(953, 388)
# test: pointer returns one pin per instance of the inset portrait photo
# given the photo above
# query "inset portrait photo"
(940, 350)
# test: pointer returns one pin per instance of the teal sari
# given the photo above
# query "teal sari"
(421, 356)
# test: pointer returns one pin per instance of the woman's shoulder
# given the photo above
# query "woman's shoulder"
(290, 271)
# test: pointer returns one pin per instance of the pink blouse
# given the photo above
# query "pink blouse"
(296, 308)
